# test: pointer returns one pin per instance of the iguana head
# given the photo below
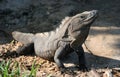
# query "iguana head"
(79, 26)
(82, 21)
(85, 18)
(76, 27)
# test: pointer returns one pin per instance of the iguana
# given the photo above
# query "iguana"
(67, 38)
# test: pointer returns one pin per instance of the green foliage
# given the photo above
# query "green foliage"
(33, 70)
(7, 71)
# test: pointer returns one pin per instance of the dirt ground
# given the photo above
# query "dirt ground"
(44, 15)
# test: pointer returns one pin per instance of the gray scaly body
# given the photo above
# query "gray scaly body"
(67, 38)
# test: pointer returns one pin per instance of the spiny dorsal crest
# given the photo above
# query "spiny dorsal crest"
(43, 34)
(64, 21)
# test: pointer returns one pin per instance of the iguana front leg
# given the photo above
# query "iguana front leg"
(59, 54)
(81, 56)
(57, 57)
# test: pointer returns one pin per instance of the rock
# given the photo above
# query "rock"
(104, 42)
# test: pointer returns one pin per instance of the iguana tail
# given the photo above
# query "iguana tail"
(25, 38)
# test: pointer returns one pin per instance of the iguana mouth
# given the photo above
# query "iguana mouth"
(90, 14)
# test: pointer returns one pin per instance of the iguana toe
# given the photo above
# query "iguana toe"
(83, 68)
(66, 71)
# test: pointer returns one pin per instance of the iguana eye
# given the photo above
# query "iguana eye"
(82, 17)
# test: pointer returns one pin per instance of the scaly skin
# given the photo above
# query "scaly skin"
(67, 38)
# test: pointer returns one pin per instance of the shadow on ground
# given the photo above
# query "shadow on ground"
(93, 61)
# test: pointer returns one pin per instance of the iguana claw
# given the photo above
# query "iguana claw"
(66, 71)
(83, 68)
(62, 70)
